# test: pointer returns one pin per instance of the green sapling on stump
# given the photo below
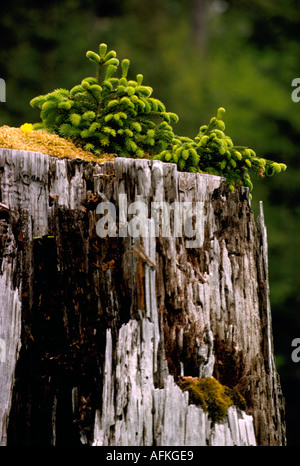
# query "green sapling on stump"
(118, 115)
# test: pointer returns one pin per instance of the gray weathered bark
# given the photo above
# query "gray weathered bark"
(95, 332)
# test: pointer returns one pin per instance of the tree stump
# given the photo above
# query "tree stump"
(100, 323)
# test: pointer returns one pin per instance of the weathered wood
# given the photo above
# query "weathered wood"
(95, 332)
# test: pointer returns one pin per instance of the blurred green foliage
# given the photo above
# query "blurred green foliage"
(197, 55)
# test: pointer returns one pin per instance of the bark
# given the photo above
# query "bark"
(95, 333)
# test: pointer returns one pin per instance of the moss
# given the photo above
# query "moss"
(212, 396)
(46, 143)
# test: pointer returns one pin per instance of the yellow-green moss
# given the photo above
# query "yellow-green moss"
(212, 396)
(46, 143)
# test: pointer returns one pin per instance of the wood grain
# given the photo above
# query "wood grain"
(97, 331)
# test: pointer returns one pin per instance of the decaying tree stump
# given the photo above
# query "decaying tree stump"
(96, 332)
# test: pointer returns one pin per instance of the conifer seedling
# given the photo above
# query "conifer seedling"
(108, 113)
(213, 152)
(118, 115)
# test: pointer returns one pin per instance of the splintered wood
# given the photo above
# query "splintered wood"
(100, 322)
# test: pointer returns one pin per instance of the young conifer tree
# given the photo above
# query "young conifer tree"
(108, 113)
(213, 152)
(118, 115)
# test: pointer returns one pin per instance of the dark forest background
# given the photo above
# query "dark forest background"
(197, 55)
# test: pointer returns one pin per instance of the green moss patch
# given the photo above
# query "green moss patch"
(212, 396)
